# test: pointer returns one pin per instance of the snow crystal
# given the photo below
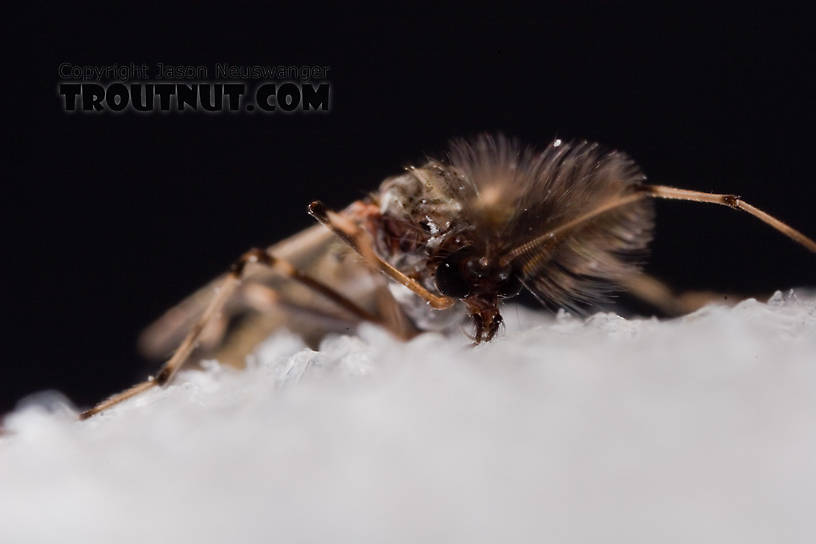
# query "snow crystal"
(699, 429)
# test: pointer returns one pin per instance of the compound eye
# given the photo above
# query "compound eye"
(510, 285)
(449, 278)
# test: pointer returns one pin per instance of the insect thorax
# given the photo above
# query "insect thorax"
(411, 217)
(418, 216)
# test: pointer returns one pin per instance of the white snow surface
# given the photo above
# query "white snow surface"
(698, 429)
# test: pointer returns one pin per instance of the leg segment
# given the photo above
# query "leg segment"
(659, 295)
(222, 294)
(732, 201)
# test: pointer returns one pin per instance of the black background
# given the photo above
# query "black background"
(112, 218)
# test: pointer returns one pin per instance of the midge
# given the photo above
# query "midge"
(569, 223)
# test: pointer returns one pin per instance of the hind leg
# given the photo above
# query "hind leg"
(658, 294)
(223, 293)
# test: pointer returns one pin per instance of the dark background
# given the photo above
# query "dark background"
(110, 219)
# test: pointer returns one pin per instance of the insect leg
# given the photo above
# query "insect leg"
(656, 293)
(271, 310)
(223, 292)
(732, 201)
(355, 237)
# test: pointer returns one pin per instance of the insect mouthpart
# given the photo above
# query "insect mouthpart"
(479, 282)
(486, 317)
